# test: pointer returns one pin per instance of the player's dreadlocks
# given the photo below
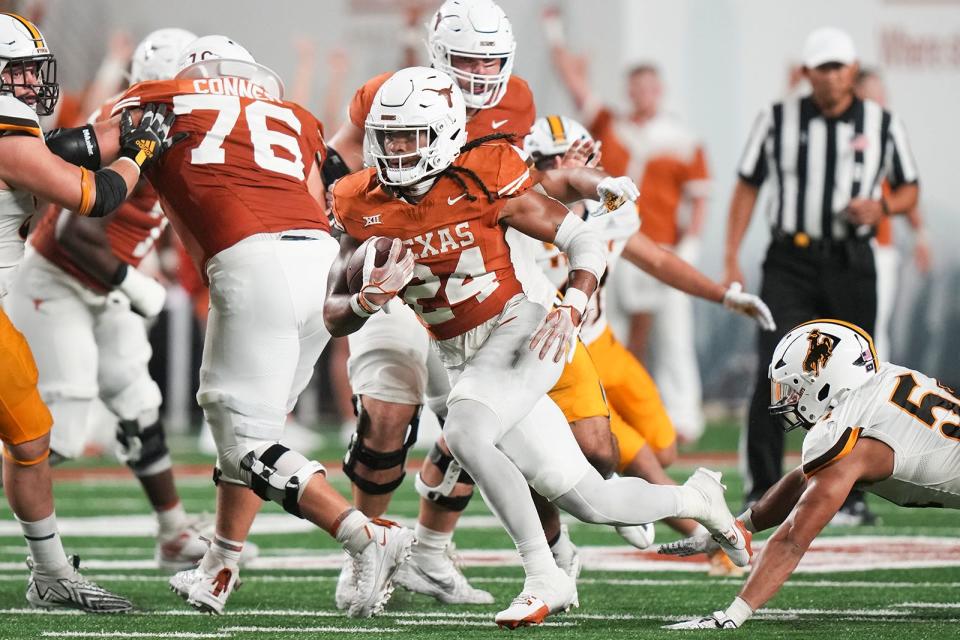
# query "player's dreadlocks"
(455, 172)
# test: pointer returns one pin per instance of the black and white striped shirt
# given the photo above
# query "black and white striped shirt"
(816, 165)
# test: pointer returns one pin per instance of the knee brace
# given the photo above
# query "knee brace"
(279, 474)
(453, 473)
(143, 448)
(378, 460)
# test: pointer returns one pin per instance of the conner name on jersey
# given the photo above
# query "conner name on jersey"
(440, 241)
(228, 86)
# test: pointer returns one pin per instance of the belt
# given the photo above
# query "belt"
(801, 240)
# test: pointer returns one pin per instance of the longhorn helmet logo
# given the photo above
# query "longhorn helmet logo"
(446, 92)
(819, 351)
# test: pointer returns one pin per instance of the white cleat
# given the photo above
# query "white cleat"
(205, 590)
(566, 554)
(538, 600)
(726, 530)
(641, 536)
(375, 567)
(185, 548)
(346, 591)
(441, 579)
(70, 590)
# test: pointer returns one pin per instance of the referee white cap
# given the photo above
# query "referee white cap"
(828, 44)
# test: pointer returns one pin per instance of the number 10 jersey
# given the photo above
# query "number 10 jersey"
(242, 168)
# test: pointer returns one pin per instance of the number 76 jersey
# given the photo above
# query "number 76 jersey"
(242, 168)
(914, 415)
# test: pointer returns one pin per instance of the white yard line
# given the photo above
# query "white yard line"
(310, 629)
(132, 634)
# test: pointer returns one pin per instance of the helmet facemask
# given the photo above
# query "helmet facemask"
(419, 160)
(480, 91)
(45, 91)
(785, 397)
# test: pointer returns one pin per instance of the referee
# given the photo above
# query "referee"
(823, 158)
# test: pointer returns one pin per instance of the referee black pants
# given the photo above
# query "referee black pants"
(825, 280)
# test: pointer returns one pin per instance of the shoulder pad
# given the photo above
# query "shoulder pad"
(827, 442)
(18, 117)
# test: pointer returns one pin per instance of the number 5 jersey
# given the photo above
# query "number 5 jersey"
(916, 417)
(243, 166)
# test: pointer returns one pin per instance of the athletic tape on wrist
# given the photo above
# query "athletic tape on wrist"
(576, 298)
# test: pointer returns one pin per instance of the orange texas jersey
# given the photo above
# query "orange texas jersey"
(463, 274)
(132, 229)
(515, 113)
(243, 167)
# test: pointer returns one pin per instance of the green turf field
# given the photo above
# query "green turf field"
(286, 600)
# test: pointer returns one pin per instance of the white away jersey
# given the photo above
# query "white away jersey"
(912, 414)
(16, 207)
(614, 228)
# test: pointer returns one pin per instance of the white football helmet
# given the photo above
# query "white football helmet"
(219, 56)
(156, 57)
(551, 136)
(426, 105)
(477, 29)
(814, 366)
(23, 50)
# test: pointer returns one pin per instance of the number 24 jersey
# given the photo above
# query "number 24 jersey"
(463, 274)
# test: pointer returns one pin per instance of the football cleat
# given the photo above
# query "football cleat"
(566, 554)
(441, 578)
(726, 530)
(206, 590)
(641, 536)
(538, 600)
(185, 548)
(70, 590)
(346, 591)
(375, 567)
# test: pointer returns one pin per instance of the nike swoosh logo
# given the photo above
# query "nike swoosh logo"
(457, 199)
(496, 124)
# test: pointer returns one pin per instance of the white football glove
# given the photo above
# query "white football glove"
(557, 328)
(718, 620)
(380, 284)
(146, 295)
(700, 543)
(749, 305)
(613, 192)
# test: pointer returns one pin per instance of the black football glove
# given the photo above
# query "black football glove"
(151, 138)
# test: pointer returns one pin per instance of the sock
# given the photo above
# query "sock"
(690, 503)
(536, 558)
(46, 548)
(171, 520)
(562, 546)
(353, 532)
(222, 552)
(431, 545)
(739, 611)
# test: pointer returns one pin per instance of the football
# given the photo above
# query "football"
(355, 265)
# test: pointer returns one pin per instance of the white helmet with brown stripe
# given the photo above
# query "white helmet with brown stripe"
(28, 71)
(551, 136)
(814, 366)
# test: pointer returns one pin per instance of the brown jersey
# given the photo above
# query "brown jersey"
(514, 114)
(132, 230)
(243, 167)
(463, 274)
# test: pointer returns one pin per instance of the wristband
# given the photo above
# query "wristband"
(360, 307)
(576, 298)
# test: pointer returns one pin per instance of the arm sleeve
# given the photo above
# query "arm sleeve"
(900, 166)
(753, 162)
